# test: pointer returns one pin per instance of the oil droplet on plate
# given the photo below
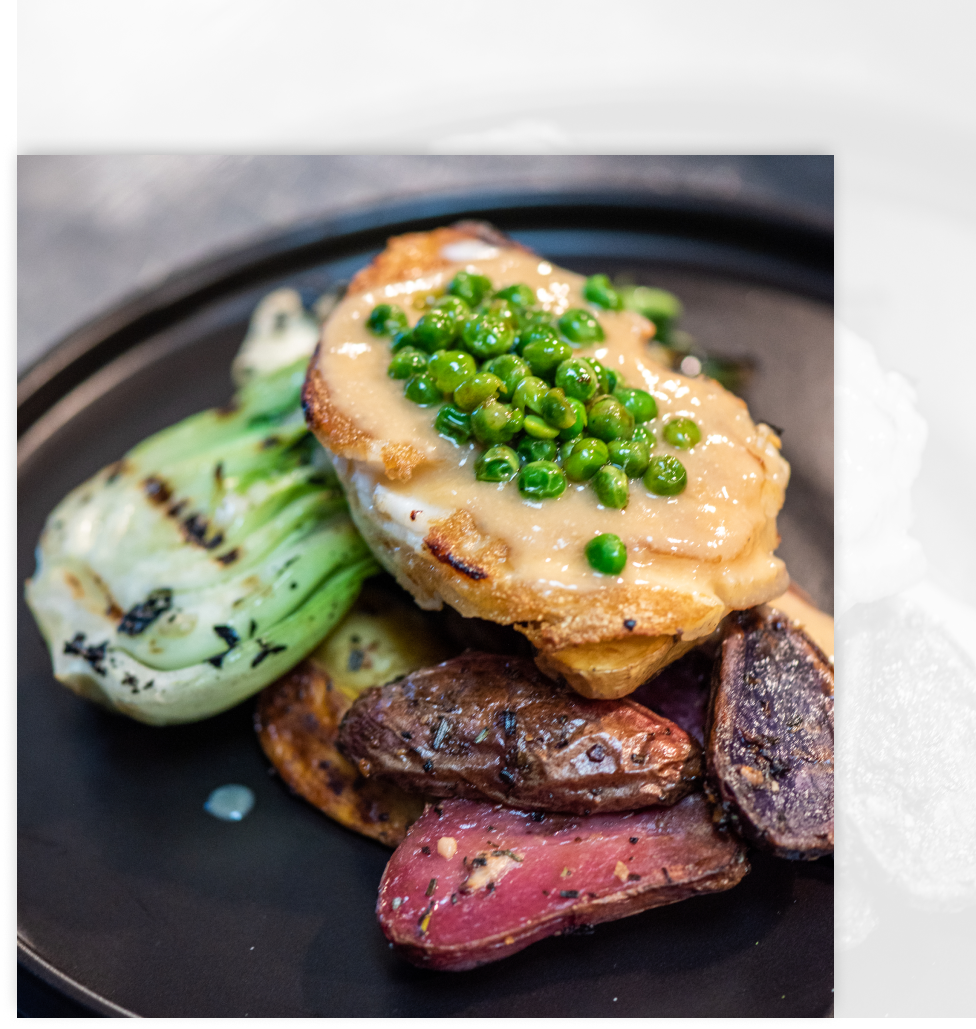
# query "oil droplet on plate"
(230, 803)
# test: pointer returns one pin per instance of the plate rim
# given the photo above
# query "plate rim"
(62, 983)
(770, 228)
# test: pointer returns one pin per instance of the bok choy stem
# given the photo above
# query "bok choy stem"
(212, 557)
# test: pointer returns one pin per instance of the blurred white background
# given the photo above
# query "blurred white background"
(887, 87)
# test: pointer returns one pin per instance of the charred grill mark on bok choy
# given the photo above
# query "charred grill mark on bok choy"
(213, 556)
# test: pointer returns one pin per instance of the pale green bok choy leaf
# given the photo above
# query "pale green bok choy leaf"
(212, 557)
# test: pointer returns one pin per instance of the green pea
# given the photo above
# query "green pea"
(640, 404)
(492, 422)
(611, 487)
(630, 455)
(533, 319)
(403, 339)
(510, 368)
(607, 554)
(519, 294)
(476, 390)
(497, 464)
(565, 450)
(436, 329)
(488, 334)
(682, 433)
(541, 480)
(529, 393)
(406, 362)
(663, 308)
(449, 368)
(576, 378)
(602, 375)
(576, 429)
(454, 423)
(538, 329)
(599, 291)
(469, 287)
(537, 317)
(665, 476)
(539, 428)
(455, 304)
(386, 320)
(613, 379)
(557, 409)
(536, 332)
(503, 309)
(421, 389)
(544, 355)
(579, 326)
(645, 434)
(609, 419)
(524, 322)
(586, 458)
(536, 449)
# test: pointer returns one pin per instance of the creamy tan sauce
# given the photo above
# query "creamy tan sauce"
(727, 501)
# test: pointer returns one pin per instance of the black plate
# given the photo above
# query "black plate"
(134, 901)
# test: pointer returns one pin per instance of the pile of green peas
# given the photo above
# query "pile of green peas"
(505, 372)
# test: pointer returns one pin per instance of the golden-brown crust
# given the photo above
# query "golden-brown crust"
(609, 615)
(419, 253)
(344, 437)
(405, 257)
(297, 721)
(468, 572)
(457, 543)
(327, 420)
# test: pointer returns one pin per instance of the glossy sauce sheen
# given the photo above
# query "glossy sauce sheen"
(731, 472)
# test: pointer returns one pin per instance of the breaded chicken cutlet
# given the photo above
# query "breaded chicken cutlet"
(667, 471)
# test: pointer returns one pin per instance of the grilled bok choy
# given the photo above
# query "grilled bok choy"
(212, 557)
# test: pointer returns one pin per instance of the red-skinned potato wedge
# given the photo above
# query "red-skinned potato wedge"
(491, 727)
(473, 882)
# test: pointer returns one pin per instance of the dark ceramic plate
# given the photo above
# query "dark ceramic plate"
(133, 900)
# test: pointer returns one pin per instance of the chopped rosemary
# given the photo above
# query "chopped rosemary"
(443, 728)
